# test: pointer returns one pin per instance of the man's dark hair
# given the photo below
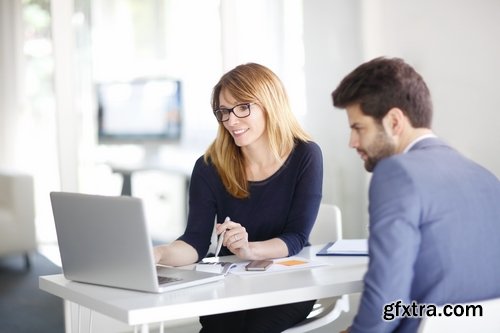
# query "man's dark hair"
(384, 83)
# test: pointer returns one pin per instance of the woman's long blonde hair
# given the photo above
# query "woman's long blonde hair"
(253, 83)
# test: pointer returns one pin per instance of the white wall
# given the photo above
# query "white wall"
(10, 73)
(453, 44)
(333, 46)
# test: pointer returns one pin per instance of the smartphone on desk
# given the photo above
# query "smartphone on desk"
(258, 265)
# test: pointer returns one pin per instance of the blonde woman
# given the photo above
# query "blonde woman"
(262, 179)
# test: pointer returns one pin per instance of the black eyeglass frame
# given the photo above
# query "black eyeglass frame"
(219, 111)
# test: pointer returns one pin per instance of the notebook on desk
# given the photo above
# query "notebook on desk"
(104, 240)
(345, 247)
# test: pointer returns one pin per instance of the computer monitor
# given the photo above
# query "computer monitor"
(142, 111)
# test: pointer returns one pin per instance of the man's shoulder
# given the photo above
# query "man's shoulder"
(430, 149)
(429, 162)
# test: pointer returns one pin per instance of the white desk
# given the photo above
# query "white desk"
(343, 275)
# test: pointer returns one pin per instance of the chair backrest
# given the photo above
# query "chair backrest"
(328, 226)
(17, 212)
(481, 316)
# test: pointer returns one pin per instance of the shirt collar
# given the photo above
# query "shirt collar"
(420, 138)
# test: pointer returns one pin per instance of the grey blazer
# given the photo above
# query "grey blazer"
(434, 235)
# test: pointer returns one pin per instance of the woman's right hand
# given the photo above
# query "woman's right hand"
(235, 239)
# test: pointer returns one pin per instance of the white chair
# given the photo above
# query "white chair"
(17, 214)
(479, 319)
(328, 227)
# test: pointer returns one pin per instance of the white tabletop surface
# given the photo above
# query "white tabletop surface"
(341, 275)
(173, 159)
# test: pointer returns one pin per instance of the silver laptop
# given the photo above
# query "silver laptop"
(104, 240)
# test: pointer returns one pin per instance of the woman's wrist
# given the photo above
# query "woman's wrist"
(273, 248)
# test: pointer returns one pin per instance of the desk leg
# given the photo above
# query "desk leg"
(145, 328)
(74, 317)
(67, 317)
(127, 183)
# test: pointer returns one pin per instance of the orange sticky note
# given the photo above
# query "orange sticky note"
(292, 262)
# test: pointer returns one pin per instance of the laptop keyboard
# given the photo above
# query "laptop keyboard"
(167, 279)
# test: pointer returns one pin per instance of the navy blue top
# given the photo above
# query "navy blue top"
(284, 205)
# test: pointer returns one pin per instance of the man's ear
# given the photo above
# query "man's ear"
(395, 121)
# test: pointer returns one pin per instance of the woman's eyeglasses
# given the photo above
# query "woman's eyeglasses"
(241, 111)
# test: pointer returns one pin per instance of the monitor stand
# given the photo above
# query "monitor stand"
(150, 160)
(152, 153)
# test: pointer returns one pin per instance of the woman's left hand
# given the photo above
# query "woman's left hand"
(235, 239)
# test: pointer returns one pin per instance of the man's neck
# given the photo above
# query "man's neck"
(411, 136)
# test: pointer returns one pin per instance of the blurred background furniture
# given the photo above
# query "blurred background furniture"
(328, 227)
(17, 214)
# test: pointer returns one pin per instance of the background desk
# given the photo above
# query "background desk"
(162, 181)
(343, 275)
(173, 160)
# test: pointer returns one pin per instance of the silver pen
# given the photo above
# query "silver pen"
(221, 239)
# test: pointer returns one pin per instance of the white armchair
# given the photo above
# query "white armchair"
(17, 214)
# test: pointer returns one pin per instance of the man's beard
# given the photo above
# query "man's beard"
(381, 148)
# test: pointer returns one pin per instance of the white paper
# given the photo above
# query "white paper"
(278, 266)
(349, 246)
